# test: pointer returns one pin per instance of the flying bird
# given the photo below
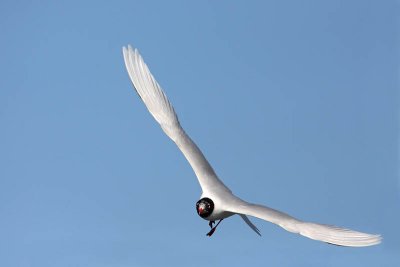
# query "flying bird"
(217, 201)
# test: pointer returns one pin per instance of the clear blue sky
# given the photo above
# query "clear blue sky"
(294, 103)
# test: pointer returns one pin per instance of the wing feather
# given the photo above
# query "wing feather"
(326, 233)
(250, 224)
(163, 112)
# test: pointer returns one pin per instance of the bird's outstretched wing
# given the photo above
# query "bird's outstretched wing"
(163, 112)
(326, 233)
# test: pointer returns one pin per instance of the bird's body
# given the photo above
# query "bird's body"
(217, 202)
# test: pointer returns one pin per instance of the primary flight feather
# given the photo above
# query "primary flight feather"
(217, 202)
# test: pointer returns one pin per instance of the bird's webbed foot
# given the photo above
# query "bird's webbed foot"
(211, 232)
(211, 224)
(213, 228)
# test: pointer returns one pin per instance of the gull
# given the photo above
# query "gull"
(217, 201)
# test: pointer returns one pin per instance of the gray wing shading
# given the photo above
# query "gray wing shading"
(249, 223)
(163, 112)
(326, 233)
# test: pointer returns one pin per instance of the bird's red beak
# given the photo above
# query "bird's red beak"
(200, 211)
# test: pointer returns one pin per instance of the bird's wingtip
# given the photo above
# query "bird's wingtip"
(129, 48)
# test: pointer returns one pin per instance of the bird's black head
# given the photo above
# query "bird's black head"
(204, 207)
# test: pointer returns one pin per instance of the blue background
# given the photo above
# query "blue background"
(294, 103)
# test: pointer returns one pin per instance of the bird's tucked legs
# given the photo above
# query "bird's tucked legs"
(213, 228)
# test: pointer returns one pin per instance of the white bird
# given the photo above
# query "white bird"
(217, 201)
